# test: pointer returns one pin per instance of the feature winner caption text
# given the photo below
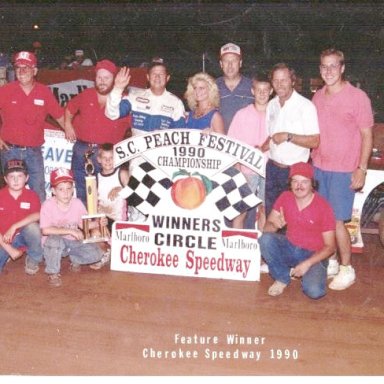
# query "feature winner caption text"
(230, 346)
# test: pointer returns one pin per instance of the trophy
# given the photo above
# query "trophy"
(100, 233)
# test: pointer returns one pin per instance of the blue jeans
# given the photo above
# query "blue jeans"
(281, 255)
(34, 161)
(56, 247)
(29, 237)
(276, 182)
(77, 166)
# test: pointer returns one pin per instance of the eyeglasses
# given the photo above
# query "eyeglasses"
(332, 67)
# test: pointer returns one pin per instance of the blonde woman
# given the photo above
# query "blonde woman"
(203, 99)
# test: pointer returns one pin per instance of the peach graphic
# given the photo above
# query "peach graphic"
(188, 192)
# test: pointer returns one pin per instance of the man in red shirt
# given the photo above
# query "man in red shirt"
(87, 125)
(19, 216)
(310, 238)
(24, 106)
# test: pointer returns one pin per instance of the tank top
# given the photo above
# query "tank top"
(201, 122)
(116, 209)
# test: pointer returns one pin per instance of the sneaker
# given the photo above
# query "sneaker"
(277, 288)
(264, 268)
(54, 280)
(333, 267)
(75, 267)
(344, 279)
(31, 267)
(103, 261)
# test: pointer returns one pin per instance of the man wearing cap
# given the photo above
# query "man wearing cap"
(234, 88)
(80, 61)
(87, 125)
(24, 106)
(293, 129)
(19, 216)
(310, 238)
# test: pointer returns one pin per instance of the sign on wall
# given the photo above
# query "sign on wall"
(184, 183)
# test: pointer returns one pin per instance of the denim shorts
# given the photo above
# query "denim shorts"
(336, 188)
(257, 184)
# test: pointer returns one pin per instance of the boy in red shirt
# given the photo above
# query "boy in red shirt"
(310, 239)
(19, 216)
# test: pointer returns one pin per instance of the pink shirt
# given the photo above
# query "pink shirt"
(341, 117)
(91, 124)
(248, 126)
(24, 115)
(305, 227)
(51, 215)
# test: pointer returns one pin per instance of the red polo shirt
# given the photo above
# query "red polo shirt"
(91, 124)
(24, 115)
(13, 210)
(305, 227)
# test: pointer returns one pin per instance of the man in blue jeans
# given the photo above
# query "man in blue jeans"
(24, 106)
(309, 240)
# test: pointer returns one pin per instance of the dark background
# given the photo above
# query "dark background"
(181, 32)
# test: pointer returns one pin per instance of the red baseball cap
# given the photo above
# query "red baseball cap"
(108, 65)
(61, 175)
(302, 169)
(25, 58)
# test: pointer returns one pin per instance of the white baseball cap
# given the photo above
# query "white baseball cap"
(230, 48)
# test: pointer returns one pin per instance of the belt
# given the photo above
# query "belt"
(278, 164)
(23, 147)
(89, 144)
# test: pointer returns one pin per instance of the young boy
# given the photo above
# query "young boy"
(248, 125)
(19, 216)
(60, 223)
(110, 181)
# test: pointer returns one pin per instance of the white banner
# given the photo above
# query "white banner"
(185, 182)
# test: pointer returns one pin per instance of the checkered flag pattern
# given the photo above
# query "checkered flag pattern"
(145, 188)
(231, 193)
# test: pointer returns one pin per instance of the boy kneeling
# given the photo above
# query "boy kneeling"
(61, 223)
(19, 216)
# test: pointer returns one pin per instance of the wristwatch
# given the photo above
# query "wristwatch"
(289, 137)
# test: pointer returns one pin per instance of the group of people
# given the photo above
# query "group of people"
(325, 142)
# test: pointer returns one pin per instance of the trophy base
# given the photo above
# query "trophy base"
(98, 234)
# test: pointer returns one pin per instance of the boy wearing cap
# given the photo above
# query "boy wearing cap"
(310, 238)
(19, 216)
(234, 88)
(60, 223)
(87, 125)
(24, 106)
